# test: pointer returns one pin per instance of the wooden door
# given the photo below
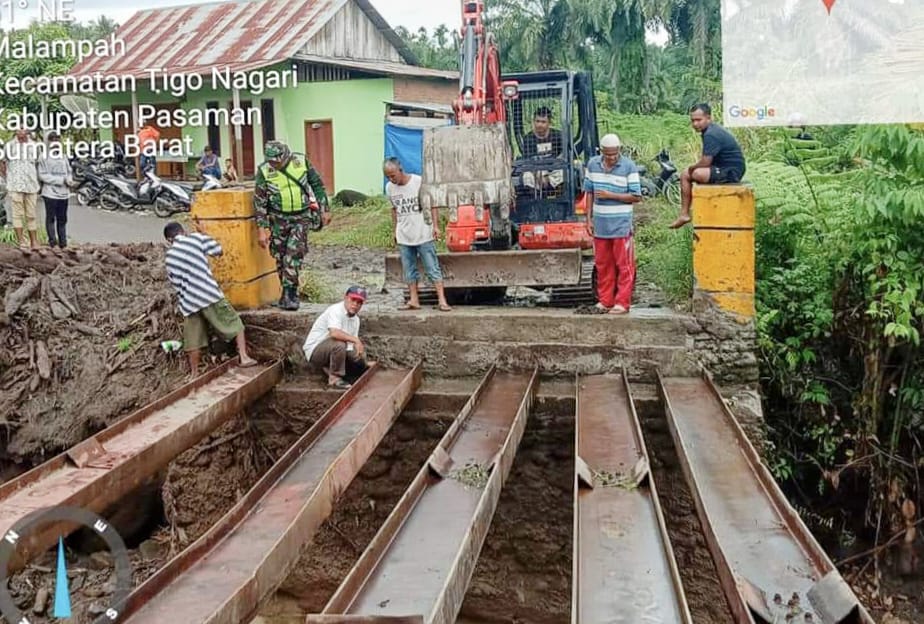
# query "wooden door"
(319, 147)
(248, 168)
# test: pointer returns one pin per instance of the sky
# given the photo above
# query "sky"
(411, 14)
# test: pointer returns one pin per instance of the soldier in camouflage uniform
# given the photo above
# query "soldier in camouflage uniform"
(289, 200)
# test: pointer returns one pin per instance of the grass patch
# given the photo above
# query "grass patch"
(665, 256)
(125, 344)
(314, 288)
(8, 237)
(645, 135)
(614, 479)
(472, 475)
(365, 225)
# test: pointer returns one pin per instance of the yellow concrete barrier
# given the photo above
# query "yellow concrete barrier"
(723, 247)
(245, 271)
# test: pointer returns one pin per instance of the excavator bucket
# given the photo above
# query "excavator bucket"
(473, 165)
(466, 165)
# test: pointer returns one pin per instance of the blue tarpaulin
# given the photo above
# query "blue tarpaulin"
(405, 144)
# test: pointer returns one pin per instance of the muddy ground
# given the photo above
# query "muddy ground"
(80, 341)
(335, 269)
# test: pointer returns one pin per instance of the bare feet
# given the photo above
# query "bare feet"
(444, 307)
(410, 306)
(247, 362)
(680, 222)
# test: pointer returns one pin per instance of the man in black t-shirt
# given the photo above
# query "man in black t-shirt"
(544, 141)
(722, 161)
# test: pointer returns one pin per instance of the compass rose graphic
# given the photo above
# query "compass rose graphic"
(35, 522)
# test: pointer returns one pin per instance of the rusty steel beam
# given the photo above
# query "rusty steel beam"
(623, 566)
(770, 566)
(418, 566)
(223, 576)
(553, 267)
(100, 470)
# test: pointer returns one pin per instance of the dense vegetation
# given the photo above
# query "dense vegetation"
(613, 38)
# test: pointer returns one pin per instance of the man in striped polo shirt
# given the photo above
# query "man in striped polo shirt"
(201, 300)
(614, 182)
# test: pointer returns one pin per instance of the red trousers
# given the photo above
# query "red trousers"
(615, 262)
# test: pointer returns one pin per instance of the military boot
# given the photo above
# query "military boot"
(291, 299)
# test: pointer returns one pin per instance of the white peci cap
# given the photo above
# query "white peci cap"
(610, 140)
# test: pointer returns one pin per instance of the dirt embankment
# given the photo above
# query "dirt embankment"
(80, 340)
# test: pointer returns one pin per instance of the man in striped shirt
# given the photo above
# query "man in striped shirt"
(614, 182)
(201, 300)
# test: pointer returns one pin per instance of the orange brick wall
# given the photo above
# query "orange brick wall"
(425, 90)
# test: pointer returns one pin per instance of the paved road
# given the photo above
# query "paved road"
(94, 225)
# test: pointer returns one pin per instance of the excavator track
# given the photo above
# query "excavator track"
(580, 295)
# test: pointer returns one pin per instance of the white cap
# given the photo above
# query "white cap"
(610, 140)
(796, 120)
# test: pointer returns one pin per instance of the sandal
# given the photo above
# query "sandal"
(408, 306)
(339, 384)
(445, 308)
(618, 309)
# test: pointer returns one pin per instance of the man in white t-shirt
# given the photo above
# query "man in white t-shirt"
(333, 343)
(414, 232)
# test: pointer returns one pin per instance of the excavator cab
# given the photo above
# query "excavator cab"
(552, 130)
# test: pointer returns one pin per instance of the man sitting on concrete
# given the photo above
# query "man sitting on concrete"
(333, 343)
(201, 299)
(722, 161)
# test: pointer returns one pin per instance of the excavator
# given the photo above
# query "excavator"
(513, 194)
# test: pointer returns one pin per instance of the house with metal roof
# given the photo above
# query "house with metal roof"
(316, 74)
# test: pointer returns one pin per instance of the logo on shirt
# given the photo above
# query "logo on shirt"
(405, 204)
(761, 113)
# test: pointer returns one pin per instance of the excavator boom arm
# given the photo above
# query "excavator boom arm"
(480, 98)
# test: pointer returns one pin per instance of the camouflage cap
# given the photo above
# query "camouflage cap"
(276, 150)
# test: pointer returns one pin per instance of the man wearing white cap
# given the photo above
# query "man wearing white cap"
(614, 182)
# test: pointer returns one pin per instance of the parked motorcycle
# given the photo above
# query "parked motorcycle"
(211, 182)
(116, 165)
(90, 189)
(166, 198)
(668, 181)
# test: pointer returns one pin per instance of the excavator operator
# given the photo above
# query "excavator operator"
(544, 141)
